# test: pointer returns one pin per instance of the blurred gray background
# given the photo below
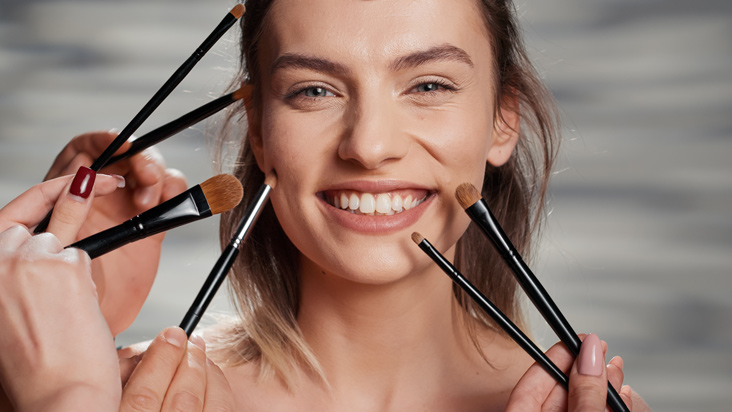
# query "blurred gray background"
(638, 243)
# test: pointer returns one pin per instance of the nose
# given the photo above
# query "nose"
(373, 135)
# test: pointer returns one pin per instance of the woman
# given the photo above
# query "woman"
(371, 113)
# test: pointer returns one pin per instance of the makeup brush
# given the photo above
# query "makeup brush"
(470, 199)
(216, 195)
(177, 76)
(499, 317)
(167, 130)
(165, 90)
(228, 256)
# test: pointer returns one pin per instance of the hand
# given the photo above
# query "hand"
(130, 270)
(56, 350)
(174, 375)
(588, 378)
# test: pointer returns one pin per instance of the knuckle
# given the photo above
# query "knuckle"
(186, 401)
(142, 400)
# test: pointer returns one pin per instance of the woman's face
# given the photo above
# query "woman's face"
(373, 112)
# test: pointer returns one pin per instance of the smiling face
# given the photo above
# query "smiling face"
(372, 113)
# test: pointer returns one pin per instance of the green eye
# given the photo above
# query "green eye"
(315, 92)
(428, 87)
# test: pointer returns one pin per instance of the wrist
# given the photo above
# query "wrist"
(73, 396)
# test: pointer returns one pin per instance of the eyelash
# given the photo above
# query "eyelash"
(300, 93)
(444, 85)
(441, 83)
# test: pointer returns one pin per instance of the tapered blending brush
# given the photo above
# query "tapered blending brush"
(492, 310)
(165, 90)
(216, 195)
(470, 199)
(167, 130)
(228, 257)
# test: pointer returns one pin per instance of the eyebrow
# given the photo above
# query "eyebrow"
(445, 52)
(301, 61)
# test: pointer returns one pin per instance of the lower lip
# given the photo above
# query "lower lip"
(376, 224)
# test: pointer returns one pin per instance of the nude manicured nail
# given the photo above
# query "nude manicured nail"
(175, 336)
(83, 183)
(591, 359)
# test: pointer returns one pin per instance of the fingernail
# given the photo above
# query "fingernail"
(120, 181)
(175, 336)
(198, 341)
(114, 130)
(591, 359)
(83, 183)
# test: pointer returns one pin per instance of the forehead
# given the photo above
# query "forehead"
(371, 31)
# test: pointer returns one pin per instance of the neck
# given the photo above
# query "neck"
(373, 338)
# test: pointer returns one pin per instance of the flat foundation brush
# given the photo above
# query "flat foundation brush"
(216, 195)
(228, 257)
(470, 199)
(492, 310)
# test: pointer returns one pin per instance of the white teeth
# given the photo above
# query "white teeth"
(368, 203)
(383, 203)
(396, 203)
(353, 202)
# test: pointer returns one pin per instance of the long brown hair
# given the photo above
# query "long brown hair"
(264, 280)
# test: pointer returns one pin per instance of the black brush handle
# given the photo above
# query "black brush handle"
(214, 280)
(187, 207)
(499, 317)
(169, 129)
(480, 214)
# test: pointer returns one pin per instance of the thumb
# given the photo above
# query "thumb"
(588, 378)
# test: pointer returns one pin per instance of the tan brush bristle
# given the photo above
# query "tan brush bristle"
(467, 195)
(417, 238)
(222, 192)
(238, 11)
(270, 179)
(244, 92)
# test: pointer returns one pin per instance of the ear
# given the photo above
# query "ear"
(254, 125)
(506, 128)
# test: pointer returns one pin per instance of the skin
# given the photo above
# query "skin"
(382, 115)
(375, 310)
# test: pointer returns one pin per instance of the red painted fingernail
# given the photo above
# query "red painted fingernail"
(83, 182)
(591, 359)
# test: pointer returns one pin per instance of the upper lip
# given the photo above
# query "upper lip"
(377, 186)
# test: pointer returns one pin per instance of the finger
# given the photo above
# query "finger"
(71, 209)
(146, 387)
(626, 393)
(536, 385)
(219, 397)
(91, 144)
(33, 205)
(174, 183)
(13, 237)
(588, 378)
(615, 374)
(127, 366)
(148, 170)
(188, 389)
